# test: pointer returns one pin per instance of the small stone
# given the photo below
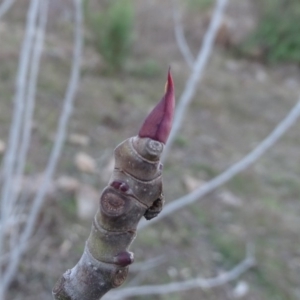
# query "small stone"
(65, 248)
(85, 163)
(87, 200)
(172, 272)
(107, 170)
(79, 139)
(230, 199)
(237, 230)
(291, 83)
(261, 75)
(30, 185)
(192, 183)
(67, 184)
(185, 273)
(2, 147)
(232, 65)
(240, 290)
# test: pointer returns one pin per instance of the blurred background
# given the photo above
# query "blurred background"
(250, 84)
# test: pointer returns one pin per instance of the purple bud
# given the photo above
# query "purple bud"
(157, 125)
(124, 258)
(120, 185)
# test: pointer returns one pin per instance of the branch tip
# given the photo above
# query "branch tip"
(158, 123)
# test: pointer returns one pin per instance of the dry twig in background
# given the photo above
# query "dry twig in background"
(180, 38)
(28, 227)
(7, 171)
(238, 167)
(202, 283)
(197, 72)
(5, 6)
(29, 101)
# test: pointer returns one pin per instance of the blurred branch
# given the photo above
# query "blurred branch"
(179, 35)
(5, 6)
(235, 169)
(198, 282)
(56, 150)
(30, 98)
(197, 73)
(148, 264)
(142, 269)
(7, 171)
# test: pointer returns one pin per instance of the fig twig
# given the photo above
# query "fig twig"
(134, 191)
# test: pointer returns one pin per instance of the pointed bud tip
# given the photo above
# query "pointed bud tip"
(170, 79)
(158, 123)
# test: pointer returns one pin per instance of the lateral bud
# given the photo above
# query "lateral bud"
(124, 258)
